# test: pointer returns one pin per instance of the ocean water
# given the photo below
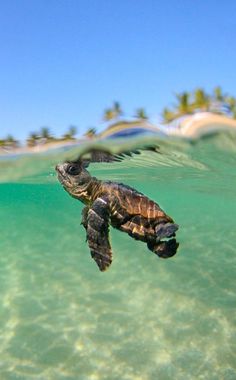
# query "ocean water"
(143, 319)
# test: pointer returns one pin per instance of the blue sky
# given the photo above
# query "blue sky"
(64, 61)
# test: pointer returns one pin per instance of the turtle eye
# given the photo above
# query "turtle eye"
(73, 169)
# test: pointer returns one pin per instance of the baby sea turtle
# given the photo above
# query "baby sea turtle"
(123, 207)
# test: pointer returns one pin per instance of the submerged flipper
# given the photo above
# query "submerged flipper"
(165, 230)
(84, 220)
(164, 249)
(98, 233)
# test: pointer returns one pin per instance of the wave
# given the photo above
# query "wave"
(204, 153)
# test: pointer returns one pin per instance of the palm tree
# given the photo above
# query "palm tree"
(167, 115)
(218, 94)
(70, 135)
(184, 105)
(11, 142)
(141, 114)
(32, 140)
(45, 134)
(90, 133)
(108, 114)
(231, 101)
(113, 113)
(201, 100)
(72, 131)
(117, 109)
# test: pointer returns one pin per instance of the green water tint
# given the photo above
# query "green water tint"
(143, 319)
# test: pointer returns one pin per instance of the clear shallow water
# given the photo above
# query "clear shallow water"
(145, 318)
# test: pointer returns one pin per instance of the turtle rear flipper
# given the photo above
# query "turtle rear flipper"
(98, 233)
(164, 249)
(165, 230)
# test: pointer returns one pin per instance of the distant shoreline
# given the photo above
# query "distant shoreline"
(188, 126)
(40, 148)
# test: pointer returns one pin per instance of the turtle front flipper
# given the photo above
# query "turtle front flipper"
(84, 220)
(98, 233)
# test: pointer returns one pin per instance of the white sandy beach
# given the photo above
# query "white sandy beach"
(204, 123)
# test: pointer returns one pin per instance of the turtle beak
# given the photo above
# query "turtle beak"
(60, 169)
(62, 175)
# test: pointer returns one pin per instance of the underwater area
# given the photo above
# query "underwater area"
(144, 318)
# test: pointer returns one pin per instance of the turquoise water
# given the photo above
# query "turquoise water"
(143, 319)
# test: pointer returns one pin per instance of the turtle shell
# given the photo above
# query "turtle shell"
(134, 202)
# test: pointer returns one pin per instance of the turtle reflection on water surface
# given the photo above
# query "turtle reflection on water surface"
(123, 207)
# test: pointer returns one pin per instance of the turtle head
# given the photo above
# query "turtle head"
(74, 178)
